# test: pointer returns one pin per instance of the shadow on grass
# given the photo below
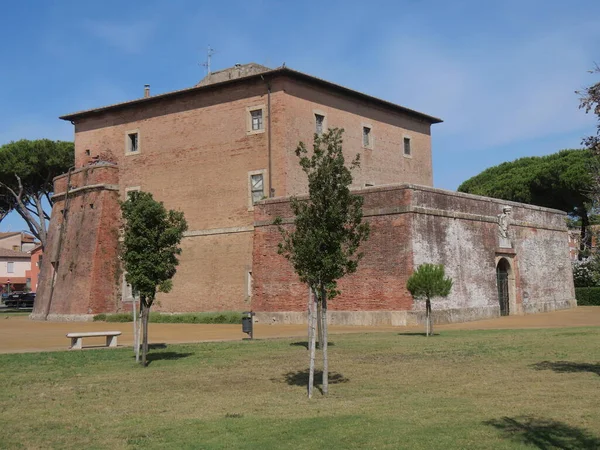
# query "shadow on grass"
(544, 434)
(168, 356)
(157, 346)
(300, 378)
(417, 334)
(567, 367)
(305, 344)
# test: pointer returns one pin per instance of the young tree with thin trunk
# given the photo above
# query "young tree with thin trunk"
(27, 170)
(427, 282)
(329, 228)
(150, 249)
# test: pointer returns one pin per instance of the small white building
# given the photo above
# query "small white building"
(14, 265)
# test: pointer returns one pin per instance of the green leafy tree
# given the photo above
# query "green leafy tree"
(589, 101)
(427, 282)
(561, 180)
(329, 229)
(150, 249)
(27, 169)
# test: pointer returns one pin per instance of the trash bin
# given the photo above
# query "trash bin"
(248, 323)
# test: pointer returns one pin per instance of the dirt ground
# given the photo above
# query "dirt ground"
(19, 334)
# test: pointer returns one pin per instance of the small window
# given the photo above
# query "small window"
(257, 119)
(133, 142)
(319, 120)
(407, 149)
(249, 285)
(257, 187)
(16, 248)
(366, 137)
(129, 190)
(10, 267)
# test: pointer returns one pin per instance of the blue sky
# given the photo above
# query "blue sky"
(502, 74)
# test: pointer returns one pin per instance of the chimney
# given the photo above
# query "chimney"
(146, 90)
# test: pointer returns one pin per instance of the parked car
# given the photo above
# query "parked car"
(20, 300)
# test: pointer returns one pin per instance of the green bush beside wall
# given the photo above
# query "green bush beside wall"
(588, 296)
(231, 317)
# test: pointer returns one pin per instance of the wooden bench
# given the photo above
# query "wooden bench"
(77, 338)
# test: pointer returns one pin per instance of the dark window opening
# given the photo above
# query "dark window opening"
(407, 149)
(319, 119)
(366, 136)
(133, 142)
(257, 119)
(257, 187)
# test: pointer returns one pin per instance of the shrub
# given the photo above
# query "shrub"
(586, 273)
(226, 317)
(588, 296)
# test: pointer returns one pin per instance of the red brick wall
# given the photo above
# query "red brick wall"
(383, 164)
(88, 273)
(378, 285)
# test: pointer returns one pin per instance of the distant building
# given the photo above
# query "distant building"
(14, 265)
(19, 241)
(36, 264)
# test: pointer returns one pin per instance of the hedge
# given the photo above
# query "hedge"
(231, 317)
(588, 296)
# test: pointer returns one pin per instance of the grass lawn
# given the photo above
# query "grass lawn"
(461, 389)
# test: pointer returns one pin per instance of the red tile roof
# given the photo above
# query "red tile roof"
(7, 253)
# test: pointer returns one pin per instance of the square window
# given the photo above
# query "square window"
(319, 120)
(407, 149)
(132, 143)
(366, 137)
(257, 187)
(10, 267)
(257, 119)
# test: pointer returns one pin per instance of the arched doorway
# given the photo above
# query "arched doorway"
(502, 272)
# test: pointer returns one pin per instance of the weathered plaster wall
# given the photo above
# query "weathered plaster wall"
(466, 242)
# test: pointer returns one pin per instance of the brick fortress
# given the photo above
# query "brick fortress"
(223, 153)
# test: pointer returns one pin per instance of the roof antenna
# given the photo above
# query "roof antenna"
(210, 51)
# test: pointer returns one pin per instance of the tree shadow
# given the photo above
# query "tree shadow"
(567, 367)
(417, 334)
(305, 344)
(300, 378)
(545, 434)
(157, 346)
(167, 356)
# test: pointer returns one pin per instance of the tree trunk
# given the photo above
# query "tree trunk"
(145, 312)
(320, 322)
(309, 315)
(312, 345)
(323, 343)
(136, 335)
(428, 318)
(585, 239)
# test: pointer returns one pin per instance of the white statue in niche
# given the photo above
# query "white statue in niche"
(503, 222)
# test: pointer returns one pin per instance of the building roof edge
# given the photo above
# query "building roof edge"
(271, 73)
